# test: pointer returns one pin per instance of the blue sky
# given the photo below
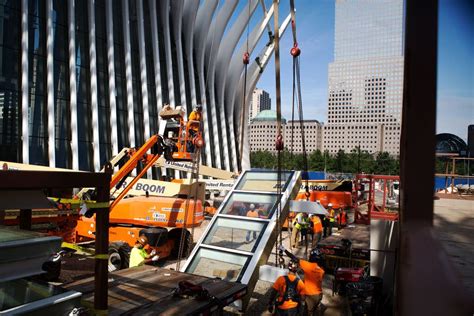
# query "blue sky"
(315, 27)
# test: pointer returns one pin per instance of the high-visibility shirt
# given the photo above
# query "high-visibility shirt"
(253, 213)
(317, 225)
(280, 287)
(342, 218)
(137, 257)
(313, 277)
(331, 215)
(301, 222)
(194, 116)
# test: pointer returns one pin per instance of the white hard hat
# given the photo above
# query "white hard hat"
(330, 204)
(252, 206)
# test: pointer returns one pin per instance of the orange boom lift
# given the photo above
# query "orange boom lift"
(164, 220)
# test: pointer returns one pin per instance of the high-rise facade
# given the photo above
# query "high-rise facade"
(263, 131)
(81, 79)
(263, 135)
(366, 78)
(313, 134)
(261, 101)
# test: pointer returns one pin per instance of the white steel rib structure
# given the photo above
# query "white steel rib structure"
(81, 79)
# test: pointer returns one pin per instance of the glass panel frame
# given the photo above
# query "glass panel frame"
(266, 181)
(238, 204)
(227, 259)
(240, 232)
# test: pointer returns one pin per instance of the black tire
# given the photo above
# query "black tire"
(157, 236)
(175, 234)
(119, 256)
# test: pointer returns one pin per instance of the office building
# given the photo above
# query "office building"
(365, 90)
(261, 101)
(313, 134)
(263, 131)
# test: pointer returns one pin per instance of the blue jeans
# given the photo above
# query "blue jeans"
(248, 235)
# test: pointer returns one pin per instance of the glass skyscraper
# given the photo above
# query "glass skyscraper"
(366, 78)
(81, 79)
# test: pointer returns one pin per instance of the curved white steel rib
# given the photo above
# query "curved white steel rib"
(254, 73)
(212, 48)
(223, 59)
(189, 19)
(176, 18)
(203, 21)
(235, 71)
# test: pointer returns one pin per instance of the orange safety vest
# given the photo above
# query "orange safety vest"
(194, 116)
(342, 218)
(313, 277)
(317, 225)
(252, 213)
(280, 287)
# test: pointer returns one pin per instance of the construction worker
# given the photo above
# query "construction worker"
(317, 230)
(331, 219)
(300, 226)
(313, 277)
(193, 128)
(290, 291)
(252, 212)
(139, 256)
(341, 219)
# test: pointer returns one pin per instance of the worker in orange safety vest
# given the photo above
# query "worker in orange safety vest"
(287, 293)
(341, 219)
(313, 278)
(193, 127)
(317, 230)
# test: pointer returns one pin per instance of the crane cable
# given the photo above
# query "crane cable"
(279, 261)
(295, 52)
(194, 178)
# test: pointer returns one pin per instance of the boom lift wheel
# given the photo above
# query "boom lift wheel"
(175, 234)
(119, 256)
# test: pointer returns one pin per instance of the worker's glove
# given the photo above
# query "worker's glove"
(271, 308)
(155, 258)
(281, 248)
(152, 253)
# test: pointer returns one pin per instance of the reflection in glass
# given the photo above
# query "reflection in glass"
(263, 181)
(235, 234)
(240, 204)
(212, 263)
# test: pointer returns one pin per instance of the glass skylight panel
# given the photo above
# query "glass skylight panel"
(263, 181)
(212, 263)
(235, 234)
(239, 204)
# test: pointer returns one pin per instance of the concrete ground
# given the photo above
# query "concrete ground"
(454, 227)
(335, 305)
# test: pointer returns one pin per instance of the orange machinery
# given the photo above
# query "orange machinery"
(149, 215)
(336, 192)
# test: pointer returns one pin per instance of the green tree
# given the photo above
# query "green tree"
(385, 164)
(340, 161)
(316, 160)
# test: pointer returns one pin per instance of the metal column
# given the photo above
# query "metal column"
(72, 84)
(25, 100)
(111, 70)
(94, 95)
(128, 71)
(50, 83)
